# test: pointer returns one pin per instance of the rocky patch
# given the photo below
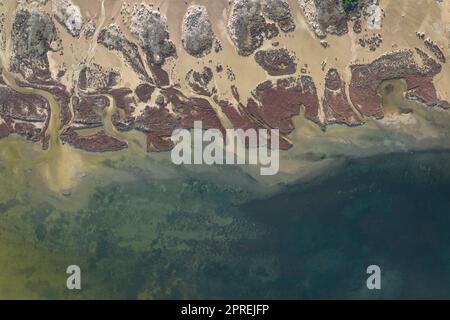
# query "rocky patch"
(197, 34)
(69, 16)
(276, 62)
(113, 39)
(323, 17)
(332, 16)
(149, 27)
(371, 42)
(90, 29)
(280, 12)
(200, 81)
(33, 35)
(95, 78)
(249, 23)
(374, 16)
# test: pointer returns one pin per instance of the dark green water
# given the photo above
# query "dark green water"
(196, 239)
(392, 211)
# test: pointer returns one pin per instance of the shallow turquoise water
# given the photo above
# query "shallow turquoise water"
(195, 238)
